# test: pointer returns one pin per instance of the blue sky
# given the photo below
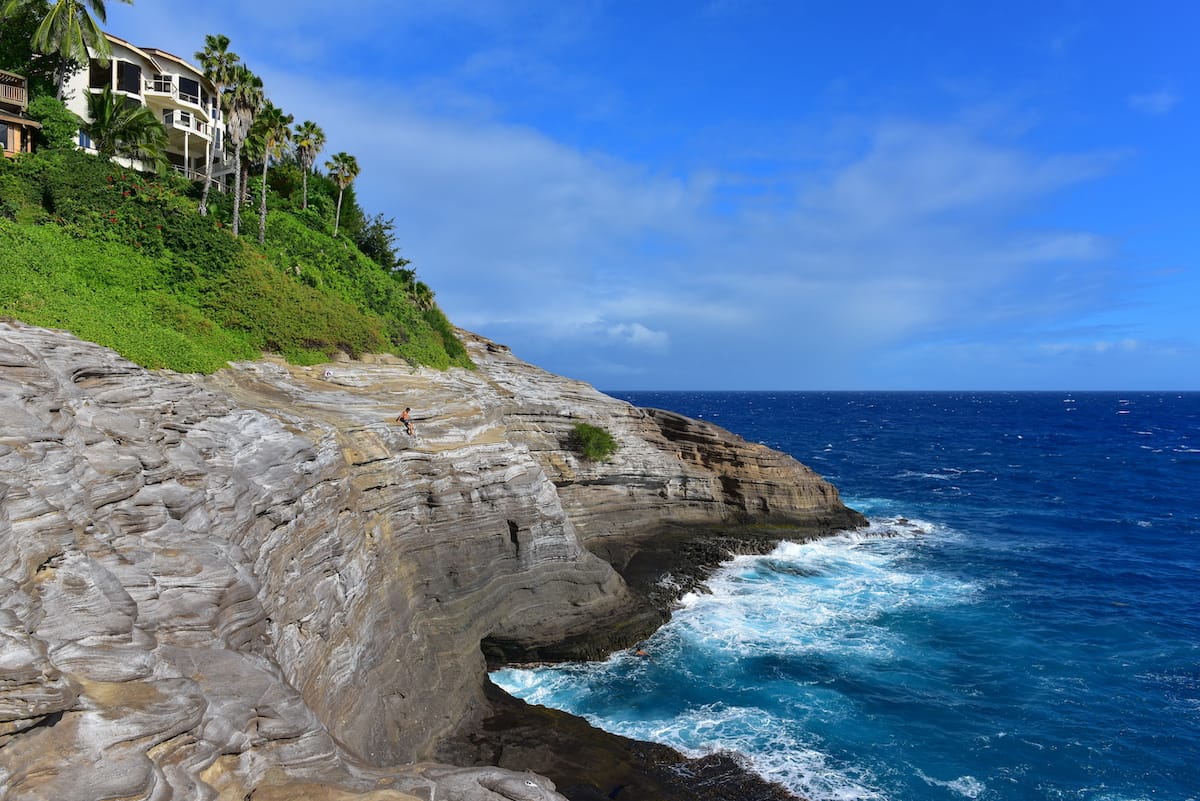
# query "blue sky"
(749, 194)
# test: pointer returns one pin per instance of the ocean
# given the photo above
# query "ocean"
(1033, 633)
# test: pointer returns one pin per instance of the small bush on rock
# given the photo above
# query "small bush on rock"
(592, 442)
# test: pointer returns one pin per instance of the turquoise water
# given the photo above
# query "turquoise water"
(1033, 634)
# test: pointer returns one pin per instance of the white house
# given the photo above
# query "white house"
(174, 89)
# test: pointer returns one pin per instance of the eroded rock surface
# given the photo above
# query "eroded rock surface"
(256, 582)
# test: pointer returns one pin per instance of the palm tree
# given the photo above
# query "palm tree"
(119, 128)
(343, 169)
(217, 61)
(275, 129)
(307, 142)
(242, 99)
(67, 30)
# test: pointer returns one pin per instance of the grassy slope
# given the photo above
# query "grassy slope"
(127, 262)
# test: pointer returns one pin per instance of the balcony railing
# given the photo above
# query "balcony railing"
(188, 172)
(14, 96)
(185, 121)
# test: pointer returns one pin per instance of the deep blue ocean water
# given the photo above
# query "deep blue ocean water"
(1034, 635)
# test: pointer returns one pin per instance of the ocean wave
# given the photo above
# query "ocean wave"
(773, 747)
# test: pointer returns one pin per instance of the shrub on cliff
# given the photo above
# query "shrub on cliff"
(591, 442)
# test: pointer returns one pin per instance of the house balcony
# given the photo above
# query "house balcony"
(13, 92)
(179, 120)
(181, 91)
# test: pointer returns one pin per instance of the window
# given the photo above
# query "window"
(189, 90)
(84, 139)
(129, 77)
(99, 77)
(4, 137)
(162, 83)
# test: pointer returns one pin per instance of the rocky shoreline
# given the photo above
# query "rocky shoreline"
(253, 583)
(587, 764)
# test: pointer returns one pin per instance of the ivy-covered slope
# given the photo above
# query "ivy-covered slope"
(127, 261)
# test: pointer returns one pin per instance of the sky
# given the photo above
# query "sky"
(762, 194)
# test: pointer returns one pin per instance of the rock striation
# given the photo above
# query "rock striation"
(255, 583)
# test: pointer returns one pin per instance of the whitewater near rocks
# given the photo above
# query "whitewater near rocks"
(256, 582)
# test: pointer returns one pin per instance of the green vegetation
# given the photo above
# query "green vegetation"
(59, 123)
(118, 128)
(343, 169)
(66, 31)
(127, 261)
(217, 61)
(137, 264)
(591, 442)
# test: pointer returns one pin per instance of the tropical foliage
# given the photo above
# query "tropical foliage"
(118, 128)
(125, 260)
(343, 169)
(134, 262)
(59, 123)
(67, 30)
(274, 131)
(308, 141)
(16, 47)
(243, 98)
(218, 62)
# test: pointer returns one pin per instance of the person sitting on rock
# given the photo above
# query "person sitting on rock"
(407, 420)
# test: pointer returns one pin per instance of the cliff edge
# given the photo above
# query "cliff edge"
(255, 583)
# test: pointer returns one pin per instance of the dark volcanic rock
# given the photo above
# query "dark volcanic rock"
(587, 764)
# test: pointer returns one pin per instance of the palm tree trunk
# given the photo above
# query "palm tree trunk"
(62, 77)
(237, 188)
(337, 217)
(304, 197)
(262, 204)
(207, 178)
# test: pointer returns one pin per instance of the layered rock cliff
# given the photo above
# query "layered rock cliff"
(256, 582)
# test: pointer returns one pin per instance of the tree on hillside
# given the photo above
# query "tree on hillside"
(243, 98)
(16, 48)
(343, 169)
(118, 128)
(307, 141)
(217, 61)
(67, 30)
(275, 129)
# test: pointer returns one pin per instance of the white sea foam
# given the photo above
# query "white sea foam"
(801, 606)
(966, 786)
(771, 746)
(824, 595)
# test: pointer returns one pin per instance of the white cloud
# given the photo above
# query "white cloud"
(1127, 345)
(1160, 101)
(910, 233)
(639, 336)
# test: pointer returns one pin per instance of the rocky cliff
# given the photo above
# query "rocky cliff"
(255, 583)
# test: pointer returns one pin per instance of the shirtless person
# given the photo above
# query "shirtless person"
(407, 420)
